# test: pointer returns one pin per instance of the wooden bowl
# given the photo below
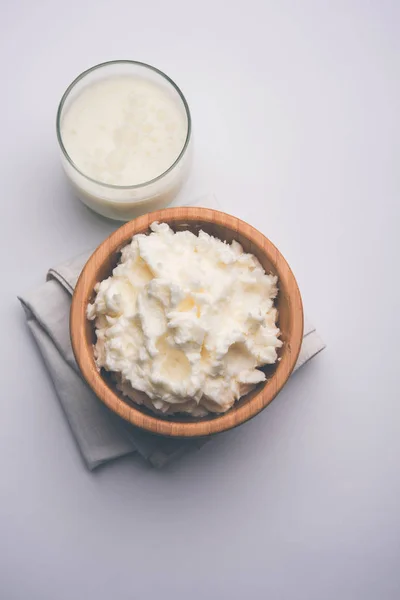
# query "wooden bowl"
(225, 227)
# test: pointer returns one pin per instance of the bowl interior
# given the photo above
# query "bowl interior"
(270, 263)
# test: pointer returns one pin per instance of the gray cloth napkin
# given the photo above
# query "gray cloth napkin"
(101, 435)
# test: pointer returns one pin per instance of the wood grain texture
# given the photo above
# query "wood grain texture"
(225, 227)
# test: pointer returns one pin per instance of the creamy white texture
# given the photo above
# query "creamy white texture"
(124, 130)
(187, 320)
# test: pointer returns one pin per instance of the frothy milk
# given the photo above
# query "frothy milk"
(121, 137)
(124, 130)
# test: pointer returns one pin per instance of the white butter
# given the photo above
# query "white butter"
(186, 320)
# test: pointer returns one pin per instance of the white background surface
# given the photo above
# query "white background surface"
(295, 109)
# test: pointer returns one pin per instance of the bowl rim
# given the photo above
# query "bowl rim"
(83, 350)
